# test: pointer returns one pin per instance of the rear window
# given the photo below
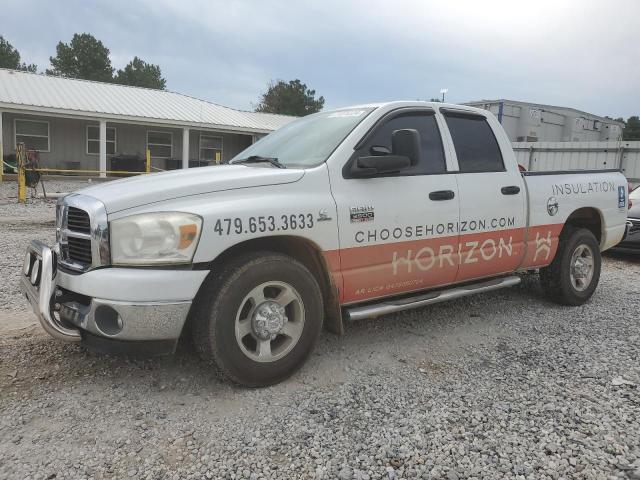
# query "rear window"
(476, 146)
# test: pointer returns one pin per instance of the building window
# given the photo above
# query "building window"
(160, 144)
(34, 134)
(210, 148)
(93, 140)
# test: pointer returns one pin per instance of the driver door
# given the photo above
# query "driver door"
(398, 232)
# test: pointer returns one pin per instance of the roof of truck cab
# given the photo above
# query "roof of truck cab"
(415, 103)
(49, 94)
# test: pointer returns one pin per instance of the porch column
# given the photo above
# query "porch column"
(1, 149)
(185, 148)
(103, 148)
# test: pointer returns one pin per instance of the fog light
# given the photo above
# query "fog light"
(35, 272)
(26, 267)
(108, 320)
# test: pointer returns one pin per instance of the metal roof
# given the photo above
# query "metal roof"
(48, 94)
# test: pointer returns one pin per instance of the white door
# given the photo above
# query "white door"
(492, 200)
(397, 231)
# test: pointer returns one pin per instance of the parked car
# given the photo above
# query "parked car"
(631, 240)
(338, 216)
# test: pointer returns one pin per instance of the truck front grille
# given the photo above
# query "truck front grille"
(78, 220)
(82, 233)
(79, 250)
(635, 225)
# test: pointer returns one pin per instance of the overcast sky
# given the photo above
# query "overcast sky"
(581, 54)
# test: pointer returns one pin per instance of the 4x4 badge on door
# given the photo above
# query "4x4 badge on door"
(361, 213)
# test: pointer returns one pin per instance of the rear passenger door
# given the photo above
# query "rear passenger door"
(397, 231)
(492, 198)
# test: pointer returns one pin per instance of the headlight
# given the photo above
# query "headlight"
(154, 238)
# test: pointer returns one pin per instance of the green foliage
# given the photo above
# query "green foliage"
(436, 100)
(10, 58)
(631, 129)
(292, 98)
(84, 57)
(139, 73)
(87, 58)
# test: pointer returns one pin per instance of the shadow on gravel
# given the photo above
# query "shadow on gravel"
(626, 257)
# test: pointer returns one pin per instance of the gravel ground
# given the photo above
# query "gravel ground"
(503, 385)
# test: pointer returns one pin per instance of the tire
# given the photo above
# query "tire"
(243, 306)
(564, 284)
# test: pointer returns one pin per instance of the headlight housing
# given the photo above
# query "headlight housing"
(155, 238)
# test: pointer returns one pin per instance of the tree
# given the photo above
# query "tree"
(84, 57)
(293, 98)
(436, 100)
(10, 58)
(631, 128)
(139, 73)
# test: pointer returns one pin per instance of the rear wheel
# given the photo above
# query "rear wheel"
(258, 318)
(573, 275)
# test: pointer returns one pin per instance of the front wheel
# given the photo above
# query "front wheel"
(258, 318)
(573, 275)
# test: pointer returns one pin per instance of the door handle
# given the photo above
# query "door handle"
(442, 195)
(511, 190)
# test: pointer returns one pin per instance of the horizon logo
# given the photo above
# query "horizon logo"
(426, 258)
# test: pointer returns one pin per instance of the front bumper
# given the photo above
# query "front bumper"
(110, 306)
(39, 289)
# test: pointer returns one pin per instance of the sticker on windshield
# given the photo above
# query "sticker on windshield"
(346, 113)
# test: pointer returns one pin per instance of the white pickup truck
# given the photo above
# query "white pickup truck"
(337, 216)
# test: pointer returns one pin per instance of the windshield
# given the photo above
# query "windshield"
(306, 142)
(635, 195)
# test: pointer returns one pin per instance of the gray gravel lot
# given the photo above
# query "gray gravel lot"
(503, 385)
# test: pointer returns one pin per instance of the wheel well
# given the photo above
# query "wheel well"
(307, 253)
(588, 218)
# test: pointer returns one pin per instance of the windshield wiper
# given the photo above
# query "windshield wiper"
(259, 159)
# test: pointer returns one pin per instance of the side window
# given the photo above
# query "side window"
(476, 146)
(431, 152)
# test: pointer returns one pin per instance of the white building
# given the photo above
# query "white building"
(79, 124)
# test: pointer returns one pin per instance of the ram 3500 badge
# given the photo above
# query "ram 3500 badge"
(337, 216)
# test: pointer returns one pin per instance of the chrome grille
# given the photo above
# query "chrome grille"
(78, 220)
(79, 250)
(634, 225)
(82, 234)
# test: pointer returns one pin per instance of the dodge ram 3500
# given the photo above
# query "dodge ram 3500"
(337, 216)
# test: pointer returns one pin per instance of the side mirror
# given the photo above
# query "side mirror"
(406, 142)
(405, 152)
(378, 150)
(371, 166)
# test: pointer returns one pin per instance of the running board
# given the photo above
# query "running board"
(392, 306)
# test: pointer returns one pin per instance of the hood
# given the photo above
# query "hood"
(142, 190)
(634, 211)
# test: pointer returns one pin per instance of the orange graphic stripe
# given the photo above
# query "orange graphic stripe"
(375, 271)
